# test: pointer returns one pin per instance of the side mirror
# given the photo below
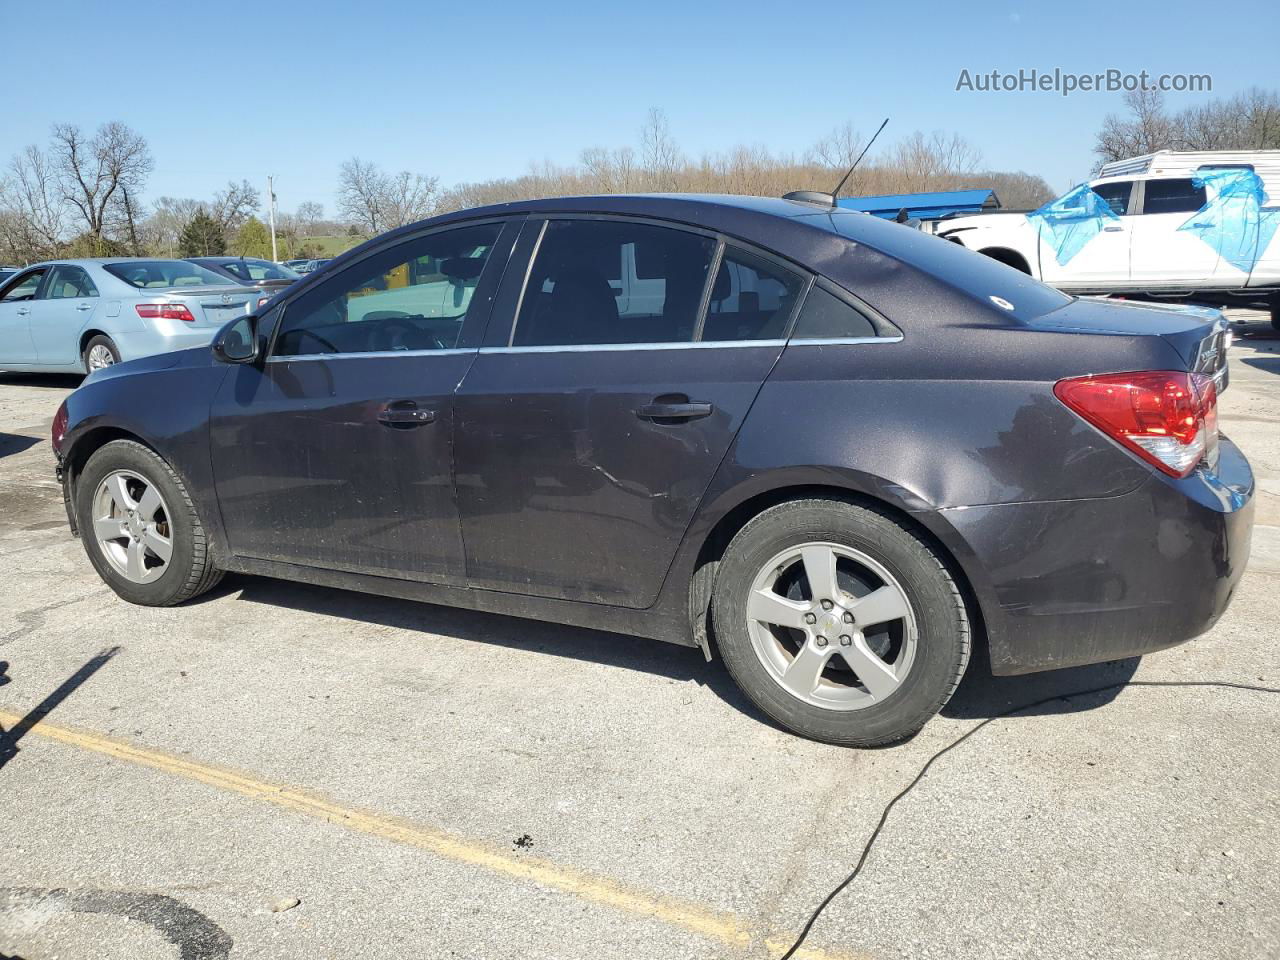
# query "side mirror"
(237, 342)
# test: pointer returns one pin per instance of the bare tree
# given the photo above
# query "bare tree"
(307, 216)
(662, 157)
(234, 204)
(32, 213)
(1147, 128)
(93, 170)
(925, 162)
(838, 149)
(360, 194)
(379, 201)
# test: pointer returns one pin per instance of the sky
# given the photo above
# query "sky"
(475, 91)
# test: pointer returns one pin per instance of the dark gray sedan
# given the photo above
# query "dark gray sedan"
(830, 448)
(266, 276)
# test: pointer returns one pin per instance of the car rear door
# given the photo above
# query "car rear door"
(1162, 254)
(336, 451)
(16, 301)
(64, 307)
(586, 434)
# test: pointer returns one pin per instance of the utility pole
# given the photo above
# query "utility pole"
(271, 215)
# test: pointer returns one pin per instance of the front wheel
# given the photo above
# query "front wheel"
(839, 623)
(139, 527)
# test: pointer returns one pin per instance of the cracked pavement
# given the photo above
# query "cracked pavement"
(276, 741)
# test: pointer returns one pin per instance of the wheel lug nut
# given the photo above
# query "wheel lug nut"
(810, 618)
(827, 604)
(846, 640)
(848, 617)
(821, 641)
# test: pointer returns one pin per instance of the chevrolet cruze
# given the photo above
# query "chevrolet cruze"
(835, 450)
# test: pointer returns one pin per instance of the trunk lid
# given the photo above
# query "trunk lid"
(212, 306)
(1200, 335)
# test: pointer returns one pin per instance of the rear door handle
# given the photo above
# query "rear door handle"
(405, 413)
(84, 306)
(660, 410)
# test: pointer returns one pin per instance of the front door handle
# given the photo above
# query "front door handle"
(666, 410)
(404, 413)
(23, 311)
(1113, 229)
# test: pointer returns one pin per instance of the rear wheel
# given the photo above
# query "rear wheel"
(100, 352)
(139, 527)
(839, 623)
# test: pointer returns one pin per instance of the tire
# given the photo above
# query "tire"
(98, 348)
(920, 656)
(188, 570)
(1275, 314)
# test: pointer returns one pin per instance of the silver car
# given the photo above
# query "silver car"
(77, 316)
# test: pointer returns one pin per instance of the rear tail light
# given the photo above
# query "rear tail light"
(59, 431)
(165, 311)
(1168, 418)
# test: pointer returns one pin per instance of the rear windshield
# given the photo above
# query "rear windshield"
(979, 276)
(165, 273)
(258, 270)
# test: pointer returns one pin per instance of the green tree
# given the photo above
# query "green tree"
(202, 237)
(252, 240)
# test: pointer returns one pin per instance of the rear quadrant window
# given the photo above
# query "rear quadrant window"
(413, 296)
(600, 282)
(752, 299)
(825, 316)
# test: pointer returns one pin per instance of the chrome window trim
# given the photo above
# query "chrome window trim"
(836, 341)
(617, 347)
(451, 351)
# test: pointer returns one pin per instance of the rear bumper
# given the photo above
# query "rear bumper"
(1085, 581)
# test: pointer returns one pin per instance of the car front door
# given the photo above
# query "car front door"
(1103, 261)
(336, 451)
(16, 299)
(587, 432)
(1164, 255)
(61, 311)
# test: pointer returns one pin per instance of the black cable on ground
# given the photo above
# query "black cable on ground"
(884, 814)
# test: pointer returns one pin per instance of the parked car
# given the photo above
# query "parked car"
(830, 447)
(268, 277)
(7, 272)
(1188, 225)
(77, 316)
(311, 266)
(295, 264)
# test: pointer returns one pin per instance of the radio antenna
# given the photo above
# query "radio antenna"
(840, 186)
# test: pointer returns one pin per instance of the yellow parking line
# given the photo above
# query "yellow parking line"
(724, 927)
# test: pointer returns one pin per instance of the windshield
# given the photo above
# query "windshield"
(981, 277)
(145, 274)
(253, 270)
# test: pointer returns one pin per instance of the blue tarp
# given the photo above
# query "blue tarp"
(1235, 222)
(1071, 221)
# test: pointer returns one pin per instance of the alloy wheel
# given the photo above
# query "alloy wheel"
(100, 356)
(131, 526)
(832, 626)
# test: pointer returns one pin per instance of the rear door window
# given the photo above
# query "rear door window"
(69, 283)
(751, 299)
(598, 282)
(1172, 196)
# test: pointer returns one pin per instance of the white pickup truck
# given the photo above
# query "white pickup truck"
(1199, 227)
